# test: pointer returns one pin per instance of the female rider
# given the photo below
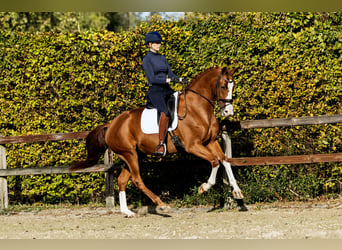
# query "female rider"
(159, 75)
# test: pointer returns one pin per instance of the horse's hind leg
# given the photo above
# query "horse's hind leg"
(122, 183)
(131, 160)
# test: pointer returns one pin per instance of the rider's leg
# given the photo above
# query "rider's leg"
(163, 126)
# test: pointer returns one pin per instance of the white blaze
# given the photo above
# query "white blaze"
(228, 109)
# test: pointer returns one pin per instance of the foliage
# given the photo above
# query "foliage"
(66, 21)
(290, 66)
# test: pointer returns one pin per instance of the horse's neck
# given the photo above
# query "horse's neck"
(202, 97)
(205, 84)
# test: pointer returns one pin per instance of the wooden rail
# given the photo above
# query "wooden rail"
(43, 138)
(227, 127)
(281, 122)
(55, 170)
(286, 160)
(108, 167)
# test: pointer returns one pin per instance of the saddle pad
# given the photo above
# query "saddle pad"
(149, 121)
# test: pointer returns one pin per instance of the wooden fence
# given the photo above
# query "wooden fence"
(108, 166)
(278, 160)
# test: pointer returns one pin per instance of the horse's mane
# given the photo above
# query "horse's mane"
(199, 75)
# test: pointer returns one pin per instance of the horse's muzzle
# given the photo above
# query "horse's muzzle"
(227, 110)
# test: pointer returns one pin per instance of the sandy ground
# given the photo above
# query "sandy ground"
(309, 220)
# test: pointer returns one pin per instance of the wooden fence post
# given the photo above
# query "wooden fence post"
(227, 143)
(227, 147)
(3, 180)
(109, 180)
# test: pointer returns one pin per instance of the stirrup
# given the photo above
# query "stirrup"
(159, 153)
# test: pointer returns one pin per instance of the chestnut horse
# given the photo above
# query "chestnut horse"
(197, 129)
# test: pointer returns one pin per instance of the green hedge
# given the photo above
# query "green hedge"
(290, 66)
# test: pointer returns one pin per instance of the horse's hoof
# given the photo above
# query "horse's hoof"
(201, 189)
(162, 208)
(128, 214)
(242, 206)
(238, 195)
(243, 209)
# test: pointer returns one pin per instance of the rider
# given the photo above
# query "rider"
(159, 75)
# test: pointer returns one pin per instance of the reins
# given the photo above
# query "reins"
(212, 103)
(185, 105)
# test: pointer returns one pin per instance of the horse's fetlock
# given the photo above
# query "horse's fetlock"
(211, 183)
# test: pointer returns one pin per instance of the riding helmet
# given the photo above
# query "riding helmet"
(153, 36)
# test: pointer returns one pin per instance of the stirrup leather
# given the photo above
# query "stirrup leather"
(159, 146)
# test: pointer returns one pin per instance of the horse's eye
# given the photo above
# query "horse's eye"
(223, 87)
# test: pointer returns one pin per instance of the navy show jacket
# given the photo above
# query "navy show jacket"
(157, 68)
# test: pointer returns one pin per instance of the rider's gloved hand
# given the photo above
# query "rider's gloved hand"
(175, 80)
(184, 81)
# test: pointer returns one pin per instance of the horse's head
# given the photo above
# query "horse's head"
(224, 91)
(221, 89)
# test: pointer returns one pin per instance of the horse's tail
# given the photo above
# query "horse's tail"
(95, 145)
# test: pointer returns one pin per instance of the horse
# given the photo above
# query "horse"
(197, 129)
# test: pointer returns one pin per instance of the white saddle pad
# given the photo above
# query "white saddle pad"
(149, 123)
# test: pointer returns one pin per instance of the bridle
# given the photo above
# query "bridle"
(226, 101)
(212, 102)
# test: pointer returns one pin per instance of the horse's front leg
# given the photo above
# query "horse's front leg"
(236, 190)
(216, 149)
(212, 179)
(196, 148)
(214, 154)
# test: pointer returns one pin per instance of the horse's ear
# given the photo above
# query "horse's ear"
(224, 70)
(235, 69)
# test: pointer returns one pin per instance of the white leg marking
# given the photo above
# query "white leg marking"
(236, 190)
(123, 204)
(211, 181)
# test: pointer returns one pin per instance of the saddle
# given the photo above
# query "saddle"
(171, 106)
(150, 120)
(150, 116)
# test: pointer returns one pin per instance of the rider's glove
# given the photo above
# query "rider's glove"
(175, 80)
(185, 81)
